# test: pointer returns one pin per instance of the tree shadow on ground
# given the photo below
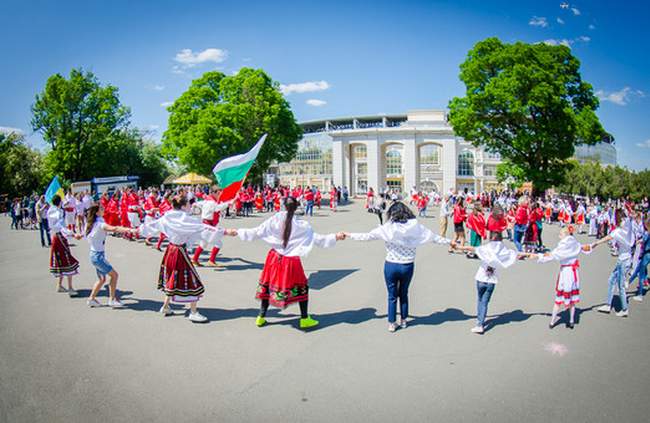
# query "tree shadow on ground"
(323, 278)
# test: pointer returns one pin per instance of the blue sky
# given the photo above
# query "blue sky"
(335, 58)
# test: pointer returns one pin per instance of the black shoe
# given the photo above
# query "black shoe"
(570, 325)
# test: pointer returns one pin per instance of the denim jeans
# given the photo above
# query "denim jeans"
(641, 272)
(309, 208)
(44, 227)
(398, 277)
(484, 291)
(520, 230)
(617, 278)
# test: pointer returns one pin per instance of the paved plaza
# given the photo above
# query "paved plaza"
(61, 361)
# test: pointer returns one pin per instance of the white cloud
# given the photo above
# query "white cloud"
(8, 130)
(621, 97)
(576, 11)
(538, 21)
(152, 127)
(583, 38)
(564, 5)
(304, 87)
(187, 58)
(315, 102)
(246, 59)
(560, 21)
(166, 104)
(554, 42)
(644, 144)
(158, 87)
(592, 26)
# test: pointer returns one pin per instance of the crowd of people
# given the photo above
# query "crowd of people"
(189, 219)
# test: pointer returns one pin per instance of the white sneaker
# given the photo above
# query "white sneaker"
(115, 304)
(197, 318)
(61, 289)
(623, 313)
(605, 308)
(478, 329)
(93, 303)
(638, 298)
(403, 324)
(72, 293)
(392, 327)
(166, 311)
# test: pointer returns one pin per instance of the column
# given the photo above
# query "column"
(449, 164)
(373, 147)
(338, 175)
(410, 163)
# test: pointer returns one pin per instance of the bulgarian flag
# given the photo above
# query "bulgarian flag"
(232, 171)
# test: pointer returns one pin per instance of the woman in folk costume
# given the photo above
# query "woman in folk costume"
(561, 215)
(70, 208)
(259, 202)
(318, 198)
(178, 279)
(164, 206)
(567, 285)
(211, 210)
(402, 234)
(476, 226)
(494, 255)
(531, 236)
(333, 199)
(283, 281)
(370, 198)
(568, 213)
(548, 212)
(62, 262)
(133, 210)
(150, 207)
(277, 201)
(592, 214)
(603, 223)
(580, 214)
(623, 239)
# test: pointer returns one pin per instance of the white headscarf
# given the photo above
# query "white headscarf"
(496, 255)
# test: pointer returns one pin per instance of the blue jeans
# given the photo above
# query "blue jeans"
(309, 208)
(398, 277)
(641, 272)
(44, 228)
(484, 291)
(520, 230)
(617, 278)
(102, 266)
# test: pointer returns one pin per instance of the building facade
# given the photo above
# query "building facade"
(417, 149)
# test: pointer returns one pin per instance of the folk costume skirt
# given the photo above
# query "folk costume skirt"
(567, 286)
(283, 281)
(178, 277)
(62, 263)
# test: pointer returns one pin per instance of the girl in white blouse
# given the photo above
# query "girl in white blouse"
(283, 280)
(402, 234)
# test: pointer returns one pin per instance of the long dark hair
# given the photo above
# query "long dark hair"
(91, 218)
(399, 212)
(179, 201)
(290, 204)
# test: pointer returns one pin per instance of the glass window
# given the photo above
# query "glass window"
(492, 156)
(360, 152)
(393, 159)
(489, 170)
(466, 163)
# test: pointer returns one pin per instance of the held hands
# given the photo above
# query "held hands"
(587, 248)
(340, 236)
(230, 232)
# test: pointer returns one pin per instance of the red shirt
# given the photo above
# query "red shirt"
(521, 217)
(459, 214)
(309, 195)
(476, 222)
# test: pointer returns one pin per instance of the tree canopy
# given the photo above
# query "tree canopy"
(593, 180)
(21, 167)
(220, 116)
(529, 103)
(76, 116)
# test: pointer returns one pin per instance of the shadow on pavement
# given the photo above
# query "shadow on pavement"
(440, 317)
(324, 278)
(85, 293)
(509, 317)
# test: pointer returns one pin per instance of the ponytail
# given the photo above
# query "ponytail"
(290, 204)
(91, 218)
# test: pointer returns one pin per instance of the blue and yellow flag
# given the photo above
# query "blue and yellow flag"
(54, 189)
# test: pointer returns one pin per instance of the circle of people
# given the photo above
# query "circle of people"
(191, 219)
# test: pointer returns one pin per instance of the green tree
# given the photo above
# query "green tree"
(510, 174)
(74, 115)
(219, 116)
(20, 166)
(529, 103)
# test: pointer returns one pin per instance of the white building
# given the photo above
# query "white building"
(418, 149)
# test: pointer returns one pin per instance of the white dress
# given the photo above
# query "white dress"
(567, 286)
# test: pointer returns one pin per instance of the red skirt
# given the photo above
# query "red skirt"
(62, 263)
(177, 276)
(283, 281)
